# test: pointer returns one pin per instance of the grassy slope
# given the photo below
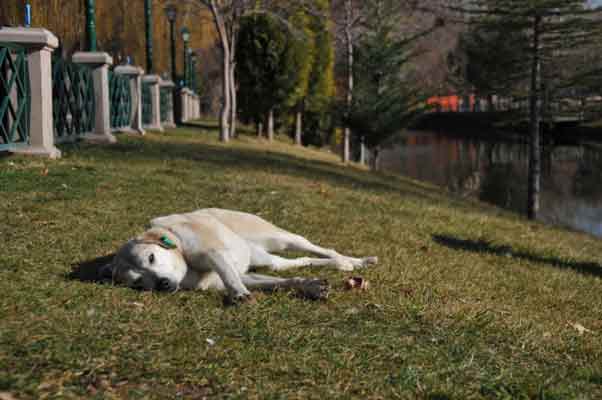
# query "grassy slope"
(467, 302)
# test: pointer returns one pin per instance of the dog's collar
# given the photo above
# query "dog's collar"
(167, 243)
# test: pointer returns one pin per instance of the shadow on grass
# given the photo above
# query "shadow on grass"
(229, 158)
(483, 246)
(90, 270)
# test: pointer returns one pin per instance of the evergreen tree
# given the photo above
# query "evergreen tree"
(321, 91)
(262, 49)
(555, 31)
(385, 98)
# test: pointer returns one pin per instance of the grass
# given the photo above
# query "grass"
(467, 302)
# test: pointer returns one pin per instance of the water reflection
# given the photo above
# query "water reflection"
(496, 172)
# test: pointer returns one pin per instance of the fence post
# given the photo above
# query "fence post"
(184, 105)
(169, 85)
(153, 81)
(134, 74)
(39, 45)
(99, 63)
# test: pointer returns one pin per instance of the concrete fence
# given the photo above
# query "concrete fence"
(190, 105)
(39, 45)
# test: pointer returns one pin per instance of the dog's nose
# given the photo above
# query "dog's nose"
(138, 284)
(165, 285)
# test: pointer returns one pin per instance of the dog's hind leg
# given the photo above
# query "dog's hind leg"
(261, 258)
(293, 242)
(314, 289)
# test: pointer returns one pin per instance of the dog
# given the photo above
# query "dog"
(218, 249)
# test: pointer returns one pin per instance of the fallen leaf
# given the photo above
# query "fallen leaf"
(6, 396)
(356, 282)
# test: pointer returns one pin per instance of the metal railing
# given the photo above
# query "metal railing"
(120, 97)
(166, 103)
(15, 97)
(147, 106)
(73, 107)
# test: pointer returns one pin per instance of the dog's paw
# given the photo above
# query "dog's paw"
(240, 299)
(314, 289)
(368, 261)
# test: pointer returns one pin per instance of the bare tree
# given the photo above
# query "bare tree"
(348, 20)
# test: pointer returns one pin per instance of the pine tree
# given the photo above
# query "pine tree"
(385, 98)
(555, 31)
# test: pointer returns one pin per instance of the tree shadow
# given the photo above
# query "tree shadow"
(486, 247)
(90, 270)
(270, 160)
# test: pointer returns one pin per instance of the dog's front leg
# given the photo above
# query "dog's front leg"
(225, 266)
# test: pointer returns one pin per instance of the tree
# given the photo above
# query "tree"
(385, 97)
(488, 61)
(299, 62)
(321, 88)
(555, 30)
(350, 23)
(262, 46)
(227, 15)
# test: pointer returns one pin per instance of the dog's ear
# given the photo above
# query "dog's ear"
(159, 238)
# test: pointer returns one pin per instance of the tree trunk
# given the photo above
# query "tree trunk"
(271, 125)
(346, 153)
(299, 126)
(375, 159)
(259, 125)
(234, 105)
(362, 152)
(224, 41)
(535, 124)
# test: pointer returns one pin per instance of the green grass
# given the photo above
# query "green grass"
(467, 301)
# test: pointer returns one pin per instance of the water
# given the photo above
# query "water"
(496, 172)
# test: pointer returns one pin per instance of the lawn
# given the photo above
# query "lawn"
(467, 301)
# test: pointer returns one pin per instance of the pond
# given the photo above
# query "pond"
(496, 172)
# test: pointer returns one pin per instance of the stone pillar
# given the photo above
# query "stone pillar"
(134, 74)
(169, 85)
(184, 105)
(39, 44)
(196, 106)
(100, 63)
(153, 81)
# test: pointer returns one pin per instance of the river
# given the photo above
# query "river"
(496, 172)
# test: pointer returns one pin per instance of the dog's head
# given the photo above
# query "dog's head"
(152, 261)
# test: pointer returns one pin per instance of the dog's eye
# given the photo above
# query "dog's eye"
(151, 258)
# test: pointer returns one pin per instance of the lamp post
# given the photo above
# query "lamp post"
(148, 19)
(193, 59)
(171, 11)
(91, 24)
(185, 38)
(27, 14)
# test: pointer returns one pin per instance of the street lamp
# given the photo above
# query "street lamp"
(185, 38)
(91, 24)
(148, 27)
(27, 14)
(171, 11)
(193, 58)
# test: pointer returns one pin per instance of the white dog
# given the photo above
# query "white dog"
(217, 249)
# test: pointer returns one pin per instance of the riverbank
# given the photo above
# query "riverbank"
(467, 302)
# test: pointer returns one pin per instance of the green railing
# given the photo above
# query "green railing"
(166, 103)
(121, 100)
(73, 100)
(15, 97)
(147, 106)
